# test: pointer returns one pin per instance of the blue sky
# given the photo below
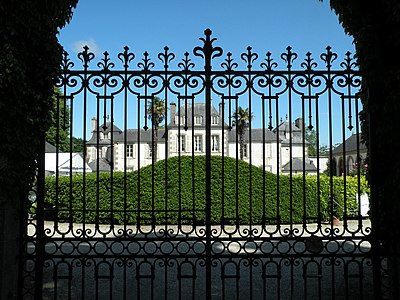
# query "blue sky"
(266, 25)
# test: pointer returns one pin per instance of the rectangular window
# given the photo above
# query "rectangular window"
(182, 143)
(198, 120)
(129, 151)
(214, 120)
(103, 152)
(198, 143)
(215, 143)
(150, 153)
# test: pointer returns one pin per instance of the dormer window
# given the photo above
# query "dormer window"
(198, 120)
(182, 120)
(214, 120)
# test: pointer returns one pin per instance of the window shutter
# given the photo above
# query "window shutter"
(268, 150)
(173, 143)
(188, 144)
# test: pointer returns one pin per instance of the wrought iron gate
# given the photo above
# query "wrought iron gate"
(202, 184)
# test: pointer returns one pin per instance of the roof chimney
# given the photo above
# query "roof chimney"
(172, 106)
(299, 123)
(94, 124)
(220, 110)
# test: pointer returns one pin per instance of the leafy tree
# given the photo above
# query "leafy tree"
(30, 60)
(77, 144)
(374, 25)
(156, 114)
(58, 132)
(311, 138)
(323, 150)
(242, 118)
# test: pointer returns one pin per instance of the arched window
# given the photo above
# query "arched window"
(333, 167)
(341, 167)
(350, 165)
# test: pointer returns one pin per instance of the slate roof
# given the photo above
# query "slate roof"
(104, 166)
(51, 149)
(297, 165)
(116, 134)
(108, 127)
(284, 127)
(256, 135)
(198, 109)
(350, 145)
(132, 135)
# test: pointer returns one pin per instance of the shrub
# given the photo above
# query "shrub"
(173, 192)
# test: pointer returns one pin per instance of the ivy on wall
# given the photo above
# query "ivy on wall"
(375, 27)
(30, 58)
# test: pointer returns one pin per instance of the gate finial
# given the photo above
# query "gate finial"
(207, 51)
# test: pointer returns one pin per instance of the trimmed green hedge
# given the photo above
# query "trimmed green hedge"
(246, 193)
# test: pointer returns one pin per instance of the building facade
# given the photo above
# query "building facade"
(280, 150)
(348, 156)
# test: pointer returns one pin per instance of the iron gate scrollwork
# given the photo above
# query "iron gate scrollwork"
(203, 184)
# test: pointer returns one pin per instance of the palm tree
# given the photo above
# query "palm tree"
(242, 118)
(156, 114)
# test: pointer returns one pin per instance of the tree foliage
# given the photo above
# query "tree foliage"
(375, 27)
(58, 132)
(247, 198)
(242, 118)
(30, 58)
(156, 114)
(311, 138)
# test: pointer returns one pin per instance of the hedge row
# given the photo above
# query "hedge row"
(173, 192)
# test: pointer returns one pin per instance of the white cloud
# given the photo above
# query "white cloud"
(91, 43)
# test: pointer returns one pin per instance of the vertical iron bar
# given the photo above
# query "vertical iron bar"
(249, 155)
(112, 166)
(318, 164)
(57, 159)
(71, 208)
(138, 168)
(221, 121)
(263, 161)
(40, 236)
(303, 138)
(98, 151)
(345, 167)
(166, 140)
(375, 211)
(178, 145)
(207, 74)
(84, 180)
(208, 52)
(278, 165)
